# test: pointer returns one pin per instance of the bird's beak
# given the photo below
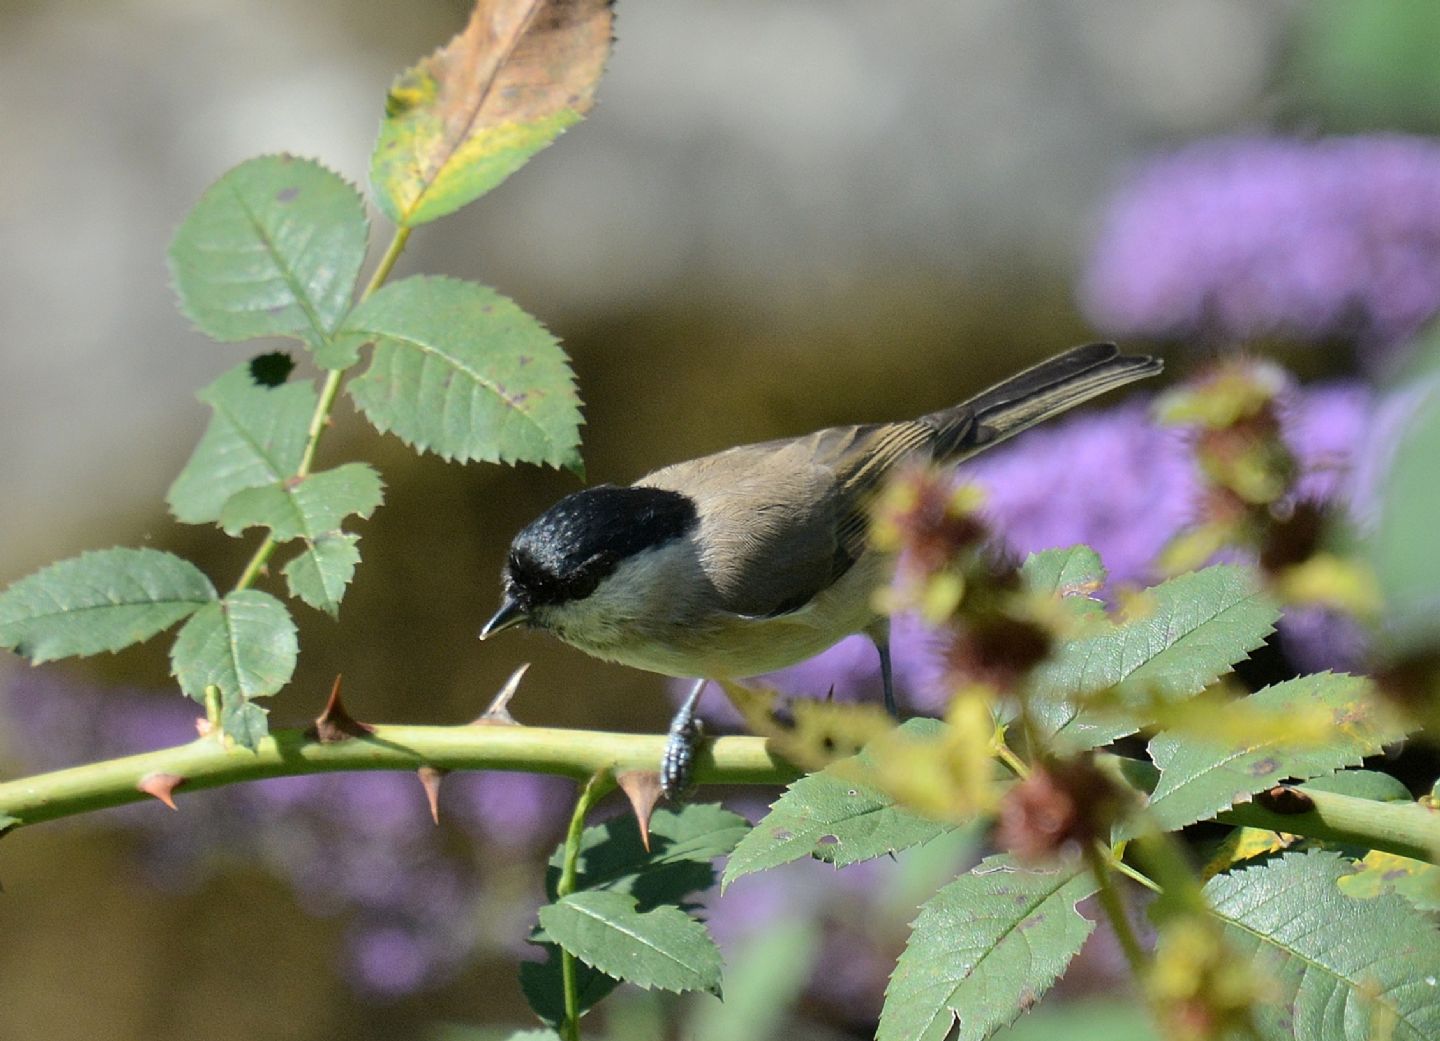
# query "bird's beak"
(510, 613)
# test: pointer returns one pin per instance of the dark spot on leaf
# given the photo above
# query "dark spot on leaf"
(1032, 921)
(1264, 767)
(487, 309)
(524, 360)
(828, 743)
(271, 370)
(286, 194)
(829, 840)
(782, 834)
(1395, 875)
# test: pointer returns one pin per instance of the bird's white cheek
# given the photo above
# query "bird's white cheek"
(643, 599)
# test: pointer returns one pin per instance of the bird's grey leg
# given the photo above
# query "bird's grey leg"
(888, 679)
(879, 634)
(677, 765)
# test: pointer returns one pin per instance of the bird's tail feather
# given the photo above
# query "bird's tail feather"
(1041, 391)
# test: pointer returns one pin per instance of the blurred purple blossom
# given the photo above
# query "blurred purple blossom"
(1234, 238)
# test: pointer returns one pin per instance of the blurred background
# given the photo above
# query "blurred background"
(780, 215)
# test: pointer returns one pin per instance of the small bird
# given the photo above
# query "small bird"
(758, 557)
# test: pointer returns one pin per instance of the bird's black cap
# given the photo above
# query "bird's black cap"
(567, 551)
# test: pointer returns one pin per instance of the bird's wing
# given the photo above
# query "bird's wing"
(784, 519)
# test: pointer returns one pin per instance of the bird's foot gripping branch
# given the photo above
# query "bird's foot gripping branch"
(1313, 909)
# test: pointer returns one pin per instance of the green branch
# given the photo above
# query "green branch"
(208, 763)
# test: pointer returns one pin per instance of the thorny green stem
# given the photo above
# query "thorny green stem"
(321, 416)
(599, 784)
(209, 763)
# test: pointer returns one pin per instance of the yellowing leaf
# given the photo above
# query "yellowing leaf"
(1245, 844)
(471, 114)
(1380, 872)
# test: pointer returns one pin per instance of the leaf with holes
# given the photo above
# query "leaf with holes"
(271, 249)
(306, 507)
(256, 436)
(461, 371)
(1190, 631)
(1200, 777)
(985, 948)
(244, 644)
(321, 571)
(663, 947)
(471, 114)
(831, 816)
(1343, 969)
(99, 601)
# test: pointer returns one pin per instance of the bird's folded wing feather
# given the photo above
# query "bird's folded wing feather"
(805, 507)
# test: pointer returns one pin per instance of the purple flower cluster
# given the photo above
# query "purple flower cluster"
(1336, 238)
(358, 844)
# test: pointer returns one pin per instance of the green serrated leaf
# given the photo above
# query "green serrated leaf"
(1071, 571)
(244, 644)
(307, 507)
(543, 985)
(255, 437)
(663, 947)
(984, 948)
(468, 116)
(1344, 969)
(271, 249)
(1201, 777)
(830, 816)
(99, 601)
(1194, 629)
(683, 847)
(461, 371)
(321, 571)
